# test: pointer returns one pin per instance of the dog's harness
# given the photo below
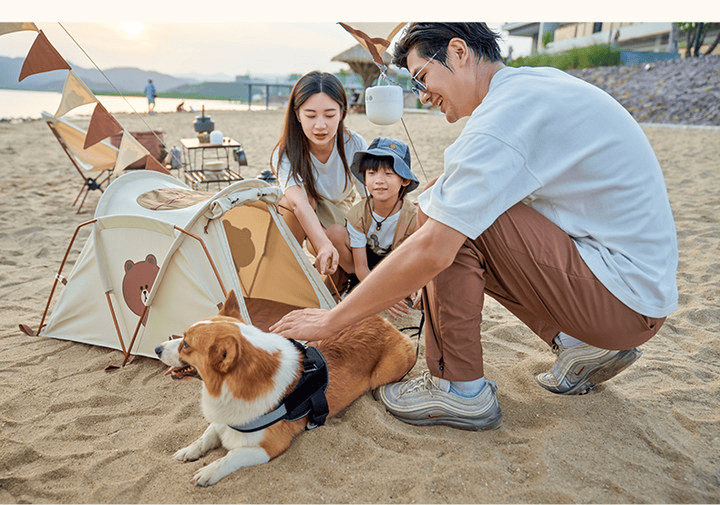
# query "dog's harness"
(306, 399)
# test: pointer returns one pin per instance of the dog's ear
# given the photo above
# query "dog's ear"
(231, 307)
(223, 354)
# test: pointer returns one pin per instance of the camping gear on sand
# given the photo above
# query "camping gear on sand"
(161, 257)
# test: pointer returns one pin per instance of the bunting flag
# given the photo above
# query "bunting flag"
(130, 151)
(17, 27)
(152, 164)
(75, 93)
(375, 37)
(102, 125)
(42, 57)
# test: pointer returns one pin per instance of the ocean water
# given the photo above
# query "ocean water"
(17, 104)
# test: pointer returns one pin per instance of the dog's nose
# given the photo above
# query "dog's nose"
(159, 350)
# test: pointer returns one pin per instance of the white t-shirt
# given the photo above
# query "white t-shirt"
(379, 240)
(578, 157)
(330, 179)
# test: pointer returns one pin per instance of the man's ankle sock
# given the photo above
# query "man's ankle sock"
(567, 341)
(467, 389)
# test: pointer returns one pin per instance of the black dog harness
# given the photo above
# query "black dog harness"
(306, 399)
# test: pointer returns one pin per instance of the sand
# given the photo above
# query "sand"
(72, 433)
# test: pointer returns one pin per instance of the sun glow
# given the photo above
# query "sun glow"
(132, 30)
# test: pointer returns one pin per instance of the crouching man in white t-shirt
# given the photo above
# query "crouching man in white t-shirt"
(551, 201)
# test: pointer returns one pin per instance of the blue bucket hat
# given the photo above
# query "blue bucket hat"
(386, 146)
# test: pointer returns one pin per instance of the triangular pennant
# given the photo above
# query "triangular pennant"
(75, 93)
(102, 125)
(375, 44)
(17, 27)
(42, 57)
(152, 164)
(129, 152)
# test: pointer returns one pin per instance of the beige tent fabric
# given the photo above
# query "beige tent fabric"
(97, 158)
(172, 198)
(75, 93)
(17, 27)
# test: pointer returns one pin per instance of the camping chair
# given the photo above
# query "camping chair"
(94, 164)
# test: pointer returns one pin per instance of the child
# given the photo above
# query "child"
(384, 218)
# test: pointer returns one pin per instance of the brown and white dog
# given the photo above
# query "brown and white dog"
(246, 372)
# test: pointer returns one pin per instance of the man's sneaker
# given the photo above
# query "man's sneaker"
(578, 369)
(426, 401)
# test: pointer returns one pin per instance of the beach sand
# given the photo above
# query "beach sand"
(72, 433)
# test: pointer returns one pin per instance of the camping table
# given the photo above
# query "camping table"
(194, 168)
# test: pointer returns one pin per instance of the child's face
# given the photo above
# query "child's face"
(383, 183)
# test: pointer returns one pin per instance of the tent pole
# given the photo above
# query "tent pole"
(207, 253)
(137, 329)
(57, 276)
(115, 322)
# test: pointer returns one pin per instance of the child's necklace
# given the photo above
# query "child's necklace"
(378, 224)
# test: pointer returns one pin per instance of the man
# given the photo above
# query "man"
(551, 201)
(150, 94)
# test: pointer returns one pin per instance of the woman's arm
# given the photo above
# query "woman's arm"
(326, 258)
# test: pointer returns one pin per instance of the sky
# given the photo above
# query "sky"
(280, 37)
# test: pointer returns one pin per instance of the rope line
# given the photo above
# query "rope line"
(112, 84)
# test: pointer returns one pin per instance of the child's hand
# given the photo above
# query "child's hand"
(400, 309)
(416, 299)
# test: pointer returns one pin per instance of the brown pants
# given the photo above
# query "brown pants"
(532, 268)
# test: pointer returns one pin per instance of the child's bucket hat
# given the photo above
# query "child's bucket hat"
(386, 146)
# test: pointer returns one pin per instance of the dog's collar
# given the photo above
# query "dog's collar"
(306, 399)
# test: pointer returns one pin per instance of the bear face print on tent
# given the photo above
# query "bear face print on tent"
(138, 281)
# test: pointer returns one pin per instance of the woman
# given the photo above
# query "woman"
(310, 161)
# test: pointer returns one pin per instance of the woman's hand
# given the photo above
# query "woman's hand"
(305, 324)
(327, 258)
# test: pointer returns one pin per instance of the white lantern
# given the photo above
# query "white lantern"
(384, 104)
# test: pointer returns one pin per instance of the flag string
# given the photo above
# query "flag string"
(111, 84)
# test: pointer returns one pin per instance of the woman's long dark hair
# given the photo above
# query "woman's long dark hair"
(293, 141)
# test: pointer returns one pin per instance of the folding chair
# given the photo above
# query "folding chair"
(94, 164)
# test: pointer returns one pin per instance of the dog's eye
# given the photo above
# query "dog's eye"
(184, 344)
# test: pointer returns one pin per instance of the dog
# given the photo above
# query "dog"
(247, 373)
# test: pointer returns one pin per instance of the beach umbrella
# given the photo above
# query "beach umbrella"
(361, 63)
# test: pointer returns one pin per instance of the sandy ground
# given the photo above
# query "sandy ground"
(72, 433)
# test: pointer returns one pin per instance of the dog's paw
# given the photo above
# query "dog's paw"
(208, 475)
(189, 453)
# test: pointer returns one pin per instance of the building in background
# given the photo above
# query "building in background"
(630, 37)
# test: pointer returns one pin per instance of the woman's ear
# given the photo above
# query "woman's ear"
(405, 182)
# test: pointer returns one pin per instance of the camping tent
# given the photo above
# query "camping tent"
(160, 257)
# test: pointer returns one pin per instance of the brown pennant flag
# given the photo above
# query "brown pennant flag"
(102, 125)
(42, 57)
(375, 44)
(17, 27)
(152, 164)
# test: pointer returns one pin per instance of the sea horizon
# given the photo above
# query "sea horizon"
(27, 105)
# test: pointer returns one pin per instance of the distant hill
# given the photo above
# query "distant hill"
(127, 80)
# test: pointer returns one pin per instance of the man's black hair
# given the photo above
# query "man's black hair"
(431, 38)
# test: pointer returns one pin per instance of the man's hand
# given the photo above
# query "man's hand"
(305, 324)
